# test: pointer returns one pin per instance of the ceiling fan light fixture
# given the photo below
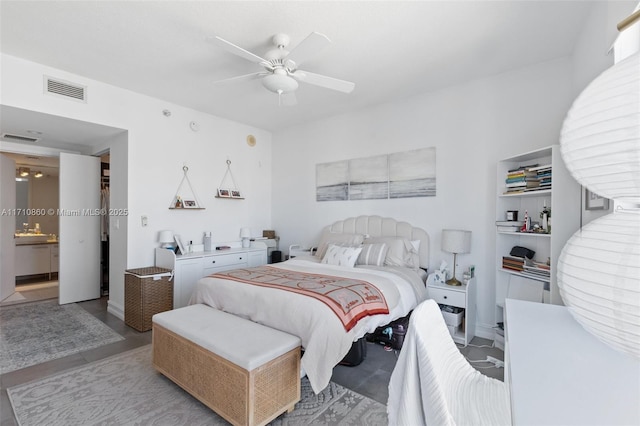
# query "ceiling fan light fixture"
(279, 83)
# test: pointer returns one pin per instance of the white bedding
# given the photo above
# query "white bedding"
(323, 336)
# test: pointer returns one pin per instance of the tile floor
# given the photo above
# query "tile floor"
(370, 378)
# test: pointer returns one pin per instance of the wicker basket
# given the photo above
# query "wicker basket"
(147, 291)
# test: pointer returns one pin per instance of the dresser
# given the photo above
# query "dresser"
(189, 268)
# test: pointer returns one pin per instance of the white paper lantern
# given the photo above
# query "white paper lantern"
(600, 141)
(599, 267)
(599, 279)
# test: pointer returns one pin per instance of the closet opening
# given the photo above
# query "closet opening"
(104, 223)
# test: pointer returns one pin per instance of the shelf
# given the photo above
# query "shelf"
(230, 198)
(526, 234)
(527, 194)
(179, 202)
(520, 274)
(186, 208)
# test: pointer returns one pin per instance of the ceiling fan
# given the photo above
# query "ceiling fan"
(280, 72)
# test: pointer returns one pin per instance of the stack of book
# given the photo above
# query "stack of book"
(509, 225)
(541, 180)
(513, 263)
(537, 270)
(521, 178)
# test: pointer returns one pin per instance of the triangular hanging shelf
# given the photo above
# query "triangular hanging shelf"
(187, 198)
(225, 191)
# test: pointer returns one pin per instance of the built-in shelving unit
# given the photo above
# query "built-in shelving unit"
(563, 199)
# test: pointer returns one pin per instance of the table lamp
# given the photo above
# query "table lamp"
(165, 238)
(245, 234)
(455, 241)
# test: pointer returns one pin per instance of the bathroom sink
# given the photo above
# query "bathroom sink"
(24, 238)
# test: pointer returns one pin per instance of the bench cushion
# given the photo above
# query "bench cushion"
(238, 340)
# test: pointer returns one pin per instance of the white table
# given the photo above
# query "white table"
(560, 374)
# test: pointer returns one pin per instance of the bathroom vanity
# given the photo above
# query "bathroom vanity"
(35, 258)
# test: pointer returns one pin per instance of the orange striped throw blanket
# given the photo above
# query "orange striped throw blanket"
(350, 299)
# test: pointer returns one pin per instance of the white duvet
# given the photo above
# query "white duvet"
(324, 339)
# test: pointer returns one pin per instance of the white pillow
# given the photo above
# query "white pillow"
(336, 238)
(402, 252)
(341, 255)
(373, 254)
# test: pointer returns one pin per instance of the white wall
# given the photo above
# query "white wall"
(157, 149)
(472, 126)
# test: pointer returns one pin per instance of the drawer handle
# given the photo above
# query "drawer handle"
(213, 261)
(445, 297)
(240, 257)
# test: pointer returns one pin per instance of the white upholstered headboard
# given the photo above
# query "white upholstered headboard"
(376, 226)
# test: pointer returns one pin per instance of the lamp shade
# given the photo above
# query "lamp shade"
(165, 236)
(599, 277)
(245, 233)
(456, 241)
(600, 141)
(599, 267)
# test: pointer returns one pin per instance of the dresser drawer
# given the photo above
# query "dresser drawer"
(448, 297)
(224, 262)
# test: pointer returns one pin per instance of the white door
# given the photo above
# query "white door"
(79, 215)
(7, 226)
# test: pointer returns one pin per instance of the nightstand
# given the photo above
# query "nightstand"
(464, 296)
(298, 250)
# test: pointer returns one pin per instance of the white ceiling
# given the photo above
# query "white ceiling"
(390, 49)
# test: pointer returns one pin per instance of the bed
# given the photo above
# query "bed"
(398, 273)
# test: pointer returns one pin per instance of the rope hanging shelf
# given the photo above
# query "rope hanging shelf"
(226, 191)
(179, 201)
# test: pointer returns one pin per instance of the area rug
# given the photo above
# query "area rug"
(33, 333)
(125, 389)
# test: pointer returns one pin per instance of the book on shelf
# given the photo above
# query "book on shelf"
(503, 228)
(522, 168)
(528, 178)
(508, 225)
(518, 190)
(539, 188)
(513, 263)
(510, 222)
(537, 168)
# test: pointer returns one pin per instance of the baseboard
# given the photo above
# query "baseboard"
(486, 331)
(115, 309)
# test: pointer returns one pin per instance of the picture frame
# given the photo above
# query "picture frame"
(179, 243)
(225, 193)
(189, 204)
(593, 201)
(235, 193)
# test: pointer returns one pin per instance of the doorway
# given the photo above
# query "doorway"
(36, 231)
(55, 135)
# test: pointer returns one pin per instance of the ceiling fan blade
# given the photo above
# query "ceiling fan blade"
(324, 81)
(308, 47)
(232, 48)
(245, 77)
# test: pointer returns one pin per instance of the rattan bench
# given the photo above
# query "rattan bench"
(246, 372)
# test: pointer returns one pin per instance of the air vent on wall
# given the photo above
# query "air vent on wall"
(66, 89)
(18, 138)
